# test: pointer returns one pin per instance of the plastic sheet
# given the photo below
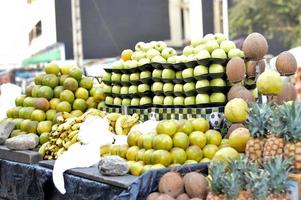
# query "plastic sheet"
(148, 182)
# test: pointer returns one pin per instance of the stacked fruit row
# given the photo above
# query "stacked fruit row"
(59, 89)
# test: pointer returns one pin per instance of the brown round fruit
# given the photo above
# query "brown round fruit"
(196, 185)
(286, 63)
(288, 93)
(236, 69)
(251, 68)
(165, 197)
(255, 46)
(42, 104)
(238, 91)
(183, 196)
(172, 184)
(153, 196)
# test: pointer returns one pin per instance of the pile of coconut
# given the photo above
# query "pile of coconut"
(173, 186)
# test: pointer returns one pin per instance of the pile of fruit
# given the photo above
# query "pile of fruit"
(172, 144)
(155, 75)
(59, 89)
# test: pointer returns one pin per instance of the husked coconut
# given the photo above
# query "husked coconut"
(183, 196)
(196, 185)
(238, 91)
(153, 196)
(255, 46)
(165, 197)
(251, 68)
(288, 93)
(236, 69)
(286, 63)
(172, 184)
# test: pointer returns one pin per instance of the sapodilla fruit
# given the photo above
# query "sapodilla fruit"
(153, 196)
(251, 68)
(172, 184)
(183, 196)
(255, 46)
(196, 185)
(236, 69)
(165, 197)
(236, 110)
(286, 63)
(288, 93)
(269, 83)
(238, 91)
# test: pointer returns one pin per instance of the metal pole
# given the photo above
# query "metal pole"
(225, 18)
(77, 33)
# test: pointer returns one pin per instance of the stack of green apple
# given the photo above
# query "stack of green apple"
(173, 143)
(59, 89)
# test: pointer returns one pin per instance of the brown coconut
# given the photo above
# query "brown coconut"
(153, 196)
(196, 199)
(172, 184)
(165, 197)
(238, 91)
(288, 93)
(196, 185)
(236, 69)
(232, 128)
(251, 68)
(286, 63)
(255, 46)
(183, 196)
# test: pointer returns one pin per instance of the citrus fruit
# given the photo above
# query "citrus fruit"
(194, 152)
(38, 115)
(86, 82)
(24, 124)
(123, 150)
(238, 139)
(44, 137)
(44, 126)
(132, 152)
(162, 141)
(19, 100)
(99, 94)
(67, 95)
(226, 154)
(205, 160)
(136, 169)
(53, 103)
(157, 166)
(213, 137)
(80, 104)
(15, 133)
(57, 91)
(28, 90)
(148, 140)
(101, 105)
(27, 113)
(28, 102)
(76, 113)
(114, 149)
(146, 168)
(140, 141)
(35, 90)
(178, 155)
(32, 127)
(16, 111)
(76, 73)
(50, 115)
(46, 92)
(82, 93)
(236, 110)
(189, 162)
(200, 124)
(126, 54)
(185, 126)
(63, 106)
(65, 69)
(140, 155)
(175, 165)
(62, 79)
(17, 122)
(38, 79)
(50, 80)
(52, 69)
(132, 138)
(168, 127)
(91, 103)
(180, 140)
(162, 157)
(92, 90)
(209, 150)
(70, 84)
(41, 104)
(197, 138)
(147, 157)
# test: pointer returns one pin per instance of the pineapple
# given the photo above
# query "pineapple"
(232, 186)
(257, 123)
(216, 171)
(278, 169)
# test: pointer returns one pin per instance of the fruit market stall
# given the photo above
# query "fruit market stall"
(154, 125)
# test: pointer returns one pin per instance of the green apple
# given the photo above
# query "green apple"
(129, 64)
(235, 53)
(143, 87)
(125, 77)
(199, 48)
(159, 100)
(126, 102)
(172, 59)
(227, 45)
(139, 46)
(107, 89)
(168, 52)
(189, 101)
(106, 76)
(117, 101)
(145, 74)
(203, 54)
(168, 74)
(157, 73)
(216, 68)
(152, 44)
(168, 87)
(143, 61)
(116, 77)
(220, 37)
(135, 76)
(181, 59)
(145, 100)
(188, 50)
(178, 101)
(202, 83)
(158, 59)
(109, 100)
(116, 89)
(202, 98)
(187, 73)
(133, 89)
(200, 70)
(179, 75)
(208, 37)
(151, 53)
(160, 45)
(197, 42)
(178, 87)
(137, 55)
(211, 45)
(191, 58)
(118, 64)
(168, 100)
(189, 86)
(217, 82)
(124, 90)
(217, 97)
(219, 53)
(135, 102)
(157, 86)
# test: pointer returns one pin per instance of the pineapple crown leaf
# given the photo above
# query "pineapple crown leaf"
(232, 185)
(257, 182)
(217, 170)
(240, 166)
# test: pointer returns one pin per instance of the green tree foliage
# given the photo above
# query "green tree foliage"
(273, 18)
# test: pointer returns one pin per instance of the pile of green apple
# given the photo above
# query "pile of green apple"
(173, 143)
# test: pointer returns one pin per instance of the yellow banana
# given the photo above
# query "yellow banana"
(72, 134)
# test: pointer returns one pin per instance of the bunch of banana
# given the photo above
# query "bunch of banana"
(64, 135)
(124, 123)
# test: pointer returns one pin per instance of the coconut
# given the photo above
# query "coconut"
(269, 83)
(165, 197)
(238, 91)
(236, 69)
(288, 93)
(233, 127)
(255, 46)
(251, 68)
(183, 196)
(172, 184)
(286, 63)
(153, 196)
(196, 199)
(196, 185)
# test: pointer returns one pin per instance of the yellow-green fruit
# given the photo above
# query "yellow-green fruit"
(44, 137)
(132, 138)
(161, 157)
(67, 95)
(213, 137)
(17, 122)
(44, 127)
(205, 160)
(80, 104)
(157, 166)
(236, 110)
(63, 106)
(76, 73)
(76, 113)
(86, 83)
(180, 140)
(99, 94)
(57, 91)
(162, 141)
(269, 83)
(189, 162)
(239, 138)
(132, 153)
(65, 70)
(168, 127)
(136, 169)
(140, 155)
(38, 115)
(82, 93)
(197, 138)
(226, 154)
(194, 152)
(50, 114)
(148, 140)
(185, 126)
(19, 100)
(200, 124)
(146, 168)
(209, 150)
(178, 155)
(70, 84)
(52, 69)
(147, 157)
(123, 150)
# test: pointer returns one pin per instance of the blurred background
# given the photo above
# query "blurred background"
(92, 33)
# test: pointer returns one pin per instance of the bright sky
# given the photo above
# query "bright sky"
(13, 38)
